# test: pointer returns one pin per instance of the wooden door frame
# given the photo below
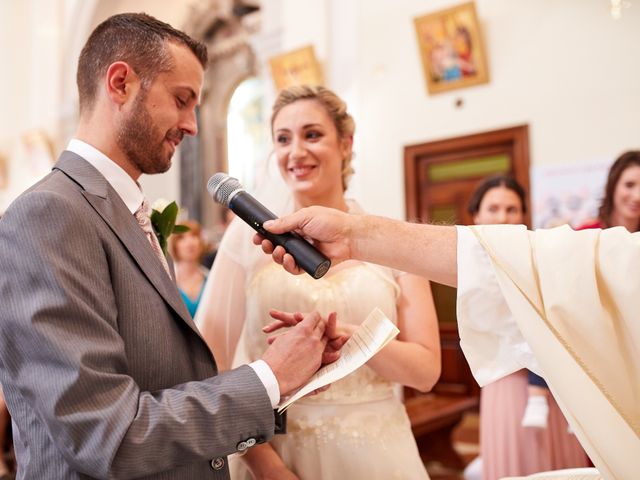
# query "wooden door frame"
(468, 146)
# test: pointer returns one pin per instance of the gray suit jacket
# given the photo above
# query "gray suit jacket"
(104, 371)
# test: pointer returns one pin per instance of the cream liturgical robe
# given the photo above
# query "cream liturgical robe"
(566, 305)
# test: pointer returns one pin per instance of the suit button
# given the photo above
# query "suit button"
(242, 446)
(251, 442)
(217, 463)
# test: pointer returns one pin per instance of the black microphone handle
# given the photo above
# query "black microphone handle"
(255, 214)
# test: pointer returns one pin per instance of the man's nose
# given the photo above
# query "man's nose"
(189, 124)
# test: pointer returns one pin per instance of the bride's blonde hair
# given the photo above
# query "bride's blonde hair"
(335, 107)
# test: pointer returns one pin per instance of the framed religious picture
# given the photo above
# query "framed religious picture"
(297, 67)
(451, 48)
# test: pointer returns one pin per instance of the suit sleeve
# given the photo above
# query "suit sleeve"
(62, 354)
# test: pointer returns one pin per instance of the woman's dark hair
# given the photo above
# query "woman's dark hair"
(489, 183)
(624, 161)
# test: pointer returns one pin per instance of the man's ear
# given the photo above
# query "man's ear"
(120, 82)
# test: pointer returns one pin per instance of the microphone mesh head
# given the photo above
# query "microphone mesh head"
(222, 187)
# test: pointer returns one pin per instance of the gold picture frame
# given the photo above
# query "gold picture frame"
(298, 67)
(451, 48)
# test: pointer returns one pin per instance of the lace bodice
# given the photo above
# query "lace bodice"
(351, 289)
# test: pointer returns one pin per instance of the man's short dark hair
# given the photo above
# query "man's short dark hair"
(135, 38)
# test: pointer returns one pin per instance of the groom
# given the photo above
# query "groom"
(104, 371)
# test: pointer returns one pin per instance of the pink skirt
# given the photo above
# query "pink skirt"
(509, 449)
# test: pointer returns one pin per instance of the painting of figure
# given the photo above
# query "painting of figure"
(451, 48)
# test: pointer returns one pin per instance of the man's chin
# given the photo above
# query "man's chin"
(157, 167)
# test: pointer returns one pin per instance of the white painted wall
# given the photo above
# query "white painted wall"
(566, 68)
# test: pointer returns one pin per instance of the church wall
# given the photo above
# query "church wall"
(567, 69)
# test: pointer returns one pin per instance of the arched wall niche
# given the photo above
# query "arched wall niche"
(225, 27)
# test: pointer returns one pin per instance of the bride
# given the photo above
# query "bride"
(358, 428)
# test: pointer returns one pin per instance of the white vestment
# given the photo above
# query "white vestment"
(564, 304)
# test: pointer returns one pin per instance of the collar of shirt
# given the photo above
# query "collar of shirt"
(125, 186)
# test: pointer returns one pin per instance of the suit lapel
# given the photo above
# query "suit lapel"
(110, 207)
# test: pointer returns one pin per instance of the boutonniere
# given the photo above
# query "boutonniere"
(163, 220)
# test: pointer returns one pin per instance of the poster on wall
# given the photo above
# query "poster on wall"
(567, 194)
(451, 48)
(298, 67)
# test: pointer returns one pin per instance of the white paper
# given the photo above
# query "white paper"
(370, 337)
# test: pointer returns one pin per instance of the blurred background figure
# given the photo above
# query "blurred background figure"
(506, 447)
(187, 249)
(212, 246)
(620, 205)
(5, 420)
(359, 427)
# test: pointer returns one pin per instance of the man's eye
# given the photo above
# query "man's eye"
(180, 102)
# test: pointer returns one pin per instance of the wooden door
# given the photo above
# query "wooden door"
(440, 177)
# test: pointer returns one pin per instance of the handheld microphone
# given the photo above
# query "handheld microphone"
(228, 191)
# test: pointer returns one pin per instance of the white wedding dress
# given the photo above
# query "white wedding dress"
(357, 429)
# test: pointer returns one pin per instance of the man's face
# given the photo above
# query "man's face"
(162, 114)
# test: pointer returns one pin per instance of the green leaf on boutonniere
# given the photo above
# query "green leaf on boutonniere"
(164, 224)
(180, 229)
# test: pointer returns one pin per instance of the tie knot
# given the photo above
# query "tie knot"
(143, 215)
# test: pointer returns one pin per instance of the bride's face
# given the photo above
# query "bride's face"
(309, 152)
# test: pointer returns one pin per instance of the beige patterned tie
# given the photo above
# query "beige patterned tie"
(143, 216)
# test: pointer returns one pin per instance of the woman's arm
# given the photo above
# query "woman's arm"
(413, 359)
(265, 464)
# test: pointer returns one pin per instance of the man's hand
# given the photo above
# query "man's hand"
(297, 354)
(329, 230)
(336, 335)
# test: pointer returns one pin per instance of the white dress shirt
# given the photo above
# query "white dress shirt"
(131, 194)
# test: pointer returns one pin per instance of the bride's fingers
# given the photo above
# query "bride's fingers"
(338, 343)
(291, 317)
(331, 331)
(273, 326)
(283, 319)
(320, 390)
(330, 357)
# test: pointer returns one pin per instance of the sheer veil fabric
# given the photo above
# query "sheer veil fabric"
(236, 261)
